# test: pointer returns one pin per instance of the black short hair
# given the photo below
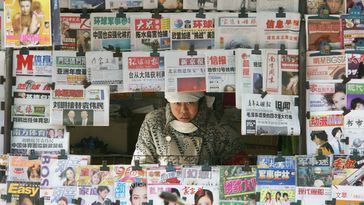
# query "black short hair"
(285, 194)
(102, 188)
(321, 134)
(356, 101)
(335, 130)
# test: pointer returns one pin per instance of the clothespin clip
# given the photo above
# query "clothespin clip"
(332, 202)
(282, 50)
(308, 115)
(41, 201)
(298, 202)
(63, 154)
(155, 47)
(24, 51)
(156, 14)
(77, 201)
(104, 166)
(51, 85)
(323, 12)
(200, 13)
(148, 203)
(117, 53)
(320, 155)
(117, 202)
(359, 46)
(345, 140)
(121, 13)
(296, 101)
(281, 13)
(246, 167)
(256, 50)
(262, 93)
(2, 130)
(192, 51)
(32, 155)
(325, 49)
(80, 52)
(307, 85)
(279, 157)
(6, 197)
(170, 167)
(136, 166)
(346, 111)
(355, 155)
(206, 167)
(85, 14)
(345, 79)
(86, 84)
(243, 13)
(2, 80)
(355, 11)
(2, 106)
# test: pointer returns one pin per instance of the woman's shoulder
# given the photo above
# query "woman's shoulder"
(155, 115)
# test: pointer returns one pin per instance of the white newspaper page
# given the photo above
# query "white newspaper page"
(69, 69)
(273, 5)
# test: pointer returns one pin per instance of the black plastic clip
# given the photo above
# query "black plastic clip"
(6, 197)
(32, 155)
(281, 13)
(117, 53)
(121, 13)
(86, 84)
(148, 203)
(256, 50)
(345, 79)
(85, 14)
(262, 93)
(41, 201)
(192, 51)
(282, 50)
(156, 14)
(345, 140)
(246, 167)
(24, 51)
(63, 154)
(206, 167)
(296, 101)
(200, 13)
(2, 106)
(355, 155)
(104, 166)
(320, 155)
(243, 13)
(346, 111)
(279, 157)
(136, 166)
(80, 52)
(155, 47)
(2, 80)
(298, 202)
(170, 167)
(51, 85)
(2, 130)
(77, 201)
(332, 202)
(117, 202)
(307, 85)
(308, 115)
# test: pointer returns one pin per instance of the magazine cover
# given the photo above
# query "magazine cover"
(351, 29)
(283, 195)
(327, 67)
(233, 5)
(318, 30)
(348, 195)
(220, 73)
(355, 95)
(271, 115)
(274, 31)
(273, 5)
(206, 4)
(4, 163)
(22, 169)
(249, 74)
(60, 195)
(61, 172)
(76, 32)
(41, 139)
(237, 185)
(77, 106)
(109, 32)
(143, 72)
(23, 192)
(313, 195)
(36, 63)
(325, 133)
(348, 170)
(195, 194)
(187, 31)
(335, 7)
(105, 69)
(185, 73)
(353, 130)
(70, 69)
(194, 175)
(126, 4)
(28, 23)
(313, 172)
(354, 66)
(326, 96)
(88, 4)
(93, 175)
(148, 33)
(229, 27)
(96, 195)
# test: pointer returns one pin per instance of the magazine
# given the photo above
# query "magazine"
(351, 29)
(94, 175)
(327, 67)
(275, 194)
(313, 172)
(354, 66)
(326, 96)
(23, 192)
(335, 7)
(195, 175)
(355, 95)
(313, 195)
(348, 170)
(4, 163)
(23, 169)
(60, 195)
(96, 195)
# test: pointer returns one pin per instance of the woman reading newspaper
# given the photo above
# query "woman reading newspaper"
(186, 131)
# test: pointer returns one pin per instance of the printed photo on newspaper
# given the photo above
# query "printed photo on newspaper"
(196, 4)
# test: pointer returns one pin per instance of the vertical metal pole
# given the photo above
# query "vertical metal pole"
(8, 98)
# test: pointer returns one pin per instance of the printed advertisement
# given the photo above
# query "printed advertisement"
(185, 73)
(351, 29)
(233, 5)
(271, 115)
(326, 96)
(355, 95)
(206, 4)
(273, 5)
(283, 195)
(76, 32)
(22, 169)
(70, 69)
(28, 23)
(36, 63)
(23, 192)
(354, 131)
(96, 195)
(194, 175)
(105, 69)
(77, 106)
(94, 175)
(81, 4)
(328, 67)
(58, 195)
(335, 7)
(143, 72)
(313, 171)
(348, 170)
(126, 4)
(354, 66)
(313, 195)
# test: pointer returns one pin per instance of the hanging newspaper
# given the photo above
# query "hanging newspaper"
(60, 172)
(348, 195)
(30, 111)
(335, 7)
(76, 32)
(194, 175)
(281, 72)
(187, 31)
(355, 66)
(93, 195)
(60, 195)
(185, 73)
(327, 67)
(270, 172)
(348, 171)
(237, 185)
(326, 96)
(69, 69)
(77, 106)
(206, 4)
(220, 73)
(353, 129)
(41, 139)
(355, 95)
(274, 5)
(271, 115)
(105, 69)
(110, 32)
(163, 4)
(4, 163)
(313, 171)
(313, 195)
(23, 169)
(148, 33)
(86, 4)
(351, 29)
(143, 72)
(94, 175)
(283, 195)
(126, 4)
(275, 31)
(233, 5)
(249, 73)
(28, 23)
(23, 192)
(319, 30)
(228, 30)
(325, 133)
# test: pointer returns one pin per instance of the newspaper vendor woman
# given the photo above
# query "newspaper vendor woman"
(186, 131)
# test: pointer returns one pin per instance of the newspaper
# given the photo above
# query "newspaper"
(353, 128)
(355, 95)
(22, 169)
(36, 63)
(271, 115)
(220, 73)
(276, 194)
(354, 66)
(32, 84)
(249, 74)
(184, 73)
(104, 69)
(81, 4)
(77, 106)
(93, 175)
(206, 4)
(327, 67)
(273, 5)
(232, 5)
(326, 96)
(313, 172)
(187, 31)
(325, 133)
(274, 31)
(58, 195)
(347, 195)
(318, 30)
(313, 195)
(28, 27)
(23, 192)
(335, 7)
(143, 72)
(30, 111)
(93, 195)
(270, 172)
(348, 171)
(148, 32)
(110, 32)
(76, 32)
(351, 29)
(228, 30)
(69, 69)
(126, 4)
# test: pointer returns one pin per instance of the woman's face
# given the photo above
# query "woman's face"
(70, 175)
(339, 99)
(61, 202)
(139, 196)
(25, 7)
(334, 6)
(95, 179)
(205, 200)
(26, 201)
(34, 175)
(184, 111)
(359, 106)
